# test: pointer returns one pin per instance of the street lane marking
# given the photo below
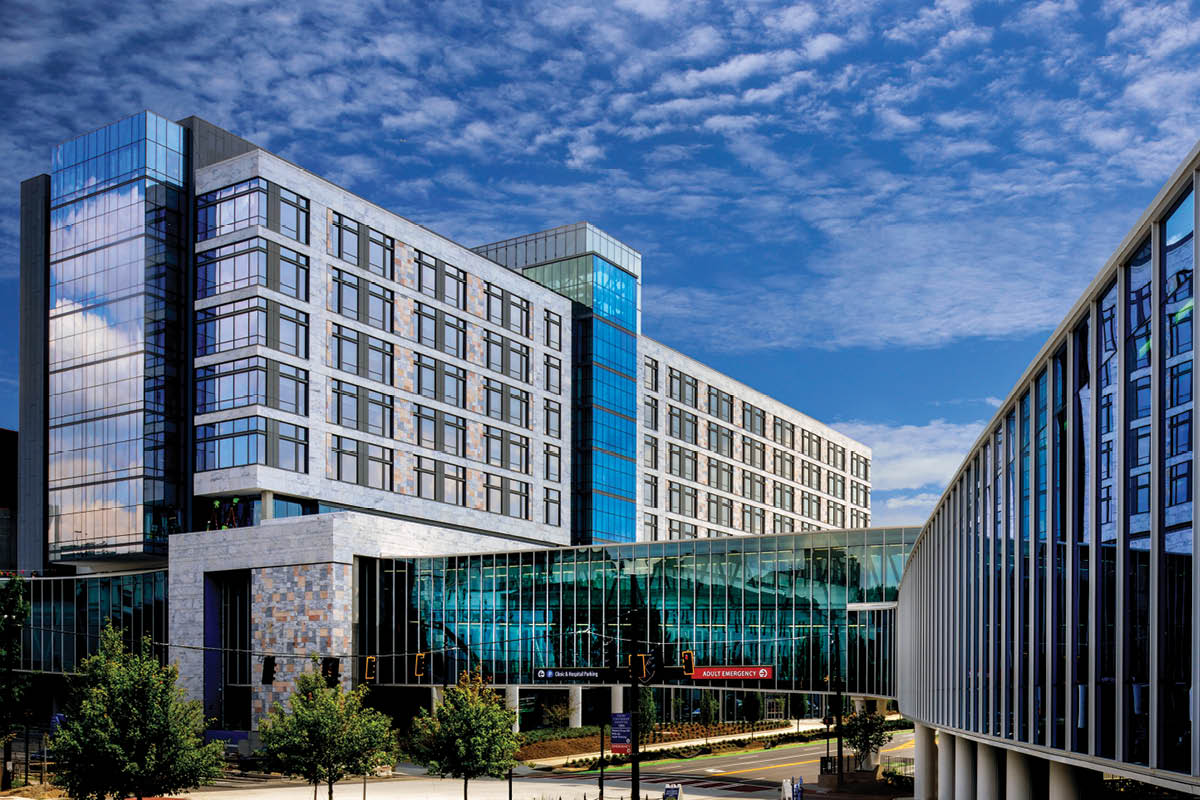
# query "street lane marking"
(771, 766)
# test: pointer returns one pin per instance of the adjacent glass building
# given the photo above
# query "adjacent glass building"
(1049, 605)
(603, 277)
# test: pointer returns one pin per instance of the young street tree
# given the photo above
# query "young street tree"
(14, 611)
(469, 735)
(865, 733)
(129, 732)
(326, 733)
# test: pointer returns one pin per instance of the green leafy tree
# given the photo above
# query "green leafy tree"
(710, 709)
(647, 710)
(469, 735)
(752, 707)
(326, 733)
(129, 730)
(866, 733)
(14, 612)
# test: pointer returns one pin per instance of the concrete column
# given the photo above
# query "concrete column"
(435, 697)
(618, 699)
(988, 777)
(267, 505)
(925, 767)
(1064, 782)
(1018, 776)
(860, 704)
(575, 706)
(512, 699)
(964, 768)
(946, 752)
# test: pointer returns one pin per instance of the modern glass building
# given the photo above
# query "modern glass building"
(603, 277)
(1047, 613)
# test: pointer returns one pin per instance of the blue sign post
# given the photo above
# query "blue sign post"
(622, 733)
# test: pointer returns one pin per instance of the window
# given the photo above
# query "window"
(720, 404)
(553, 375)
(506, 356)
(683, 462)
(754, 519)
(720, 510)
(553, 419)
(837, 486)
(442, 281)
(651, 373)
(437, 480)
(506, 403)
(860, 466)
(231, 208)
(552, 507)
(360, 354)
(1180, 382)
(440, 381)
(651, 415)
(681, 530)
(438, 430)
(682, 499)
(810, 506)
(683, 425)
(837, 515)
(753, 486)
(381, 255)
(650, 451)
(785, 433)
(361, 300)
(754, 453)
(650, 527)
(720, 440)
(251, 440)
(720, 475)
(681, 387)
(293, 215)
(784, 496)
(343, 240)
(552, 463)
(252, 262)
(553, 330)
(781, 523)
(249, 322)
(439, 330)
(1179, 483)
(784, 465)
(251, 381)
(362, 463)
(836, 457)
(754, 419)
(507, 309)
(1179, 434)
(810, 444)
(650, 491)
(507, 496)
(810, 474)
(505, 449)
(860, 494)
(343, 404)
(858, 519)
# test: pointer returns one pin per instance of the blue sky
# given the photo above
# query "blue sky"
(875, 212)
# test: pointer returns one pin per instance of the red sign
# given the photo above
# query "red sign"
(734, 673)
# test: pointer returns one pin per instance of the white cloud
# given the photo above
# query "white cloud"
(731, 72)
(822, 46)
(913, 457)
(793, 19)
(896, 122)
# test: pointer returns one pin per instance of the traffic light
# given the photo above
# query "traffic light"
(689, 663)
(331, 670)
(268, 674)
(369, 670)
(419, 664)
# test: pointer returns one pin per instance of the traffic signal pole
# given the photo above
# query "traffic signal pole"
(635, 775)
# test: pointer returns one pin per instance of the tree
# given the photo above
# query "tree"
(710, 709)
(647, 710)
(865, 733)
(469, 735)
(752, 707)
(326, 733)
(129, 730)
(14, 613)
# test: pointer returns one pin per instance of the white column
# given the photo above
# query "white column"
(925, 767)
(946, 766)
(575, 706)
(860, 705)
(1018, 776)
(266, 506)
(512, 699)
(964, 768)
(618, 699)
(435, 697)
(987, 772)
(1064, 782)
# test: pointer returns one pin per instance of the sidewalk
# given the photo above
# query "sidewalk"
(793, 726)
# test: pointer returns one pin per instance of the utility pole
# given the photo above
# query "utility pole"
(602, 760)
(837, 687)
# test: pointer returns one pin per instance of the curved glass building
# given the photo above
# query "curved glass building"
(1046, 618)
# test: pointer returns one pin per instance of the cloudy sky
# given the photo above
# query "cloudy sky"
(874, 211)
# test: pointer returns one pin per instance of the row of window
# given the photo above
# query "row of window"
(680, 529)
(447, 483)
(252, 202)
(683, 500)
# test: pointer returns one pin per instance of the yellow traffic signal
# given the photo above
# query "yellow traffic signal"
(689, 662)
(419, 664)
(369, 669)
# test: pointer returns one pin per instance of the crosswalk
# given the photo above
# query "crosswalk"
(623, 779)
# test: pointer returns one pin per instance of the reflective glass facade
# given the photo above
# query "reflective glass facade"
(813, 605)
(116, 343)
(1070, 596)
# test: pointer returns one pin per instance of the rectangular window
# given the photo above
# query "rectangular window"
(754, 419)
(784, 465)
(360, 300)
(506, 356)
(439, 330)
(720, 510)
(681, 387)
(361, 463)
(682, 462)
(836, 457)
(810, 506)
(651, 415)
(1179, 483)
(507, 496)
(506, 403)
(782, 524)
(231, 208)
(343, 238)
(754, 519)
(650, 451)
(754, 486)
(650, 491)
(437, 480)
(440, 381)
(438, 430)
(651, 374)
(507, 310)
(1180, 384)
(553, 374)
(253, 321)
(293, 215)
(837, 515)
(360, 354)
(553, 463)
(650, 527)
(251, 381)
(682, 425)
(754, 453)
(720, 475)
(553, 330)
(381, 255)
(785, 433)
(837, 486)
(720, 404)
(552, 507)
(681, 530)
(441, 281)
(553, 419)
(682, 499)
(784, 496)
(720, 440)
(360, 408)
(251, 440)
(810, 444)
(252, 262)
(506, 449)
(860, 466)
(1180, 434)
(810, 474)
